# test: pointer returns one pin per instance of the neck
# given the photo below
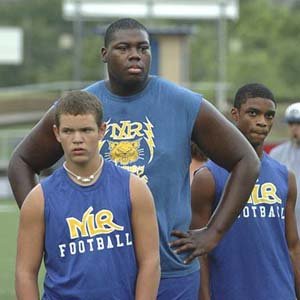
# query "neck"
(79, 175)
(126, 89)
(259, 150)
(296, 142)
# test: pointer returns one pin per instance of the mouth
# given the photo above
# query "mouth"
(78, 151)
(135, 69)
(260, 133)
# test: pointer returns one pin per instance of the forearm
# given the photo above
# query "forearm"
(148, 280)
(295, 258)
(236, 193)
(26, 287)
(22, 179)
(204, 292)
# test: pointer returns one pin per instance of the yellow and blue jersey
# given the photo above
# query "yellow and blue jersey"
(252, 260)
(149, 134)
(89, 251)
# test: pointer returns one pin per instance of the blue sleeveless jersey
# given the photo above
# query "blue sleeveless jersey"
(89, 252)
(149, 134)
(252, 260)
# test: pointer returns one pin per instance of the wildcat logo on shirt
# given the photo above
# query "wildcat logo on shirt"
(129, 145)
(264, 203)
(91, 225)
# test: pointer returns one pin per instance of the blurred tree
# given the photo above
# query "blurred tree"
(263, 45)
(269, 36)
(48, 44)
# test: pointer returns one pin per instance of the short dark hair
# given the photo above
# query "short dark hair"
(252, 90)
(78, 103)
(122, 24)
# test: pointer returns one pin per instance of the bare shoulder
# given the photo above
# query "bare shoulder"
(34, 202)
(203, 173)
(137, 183)
(139, 190)
(203, 181)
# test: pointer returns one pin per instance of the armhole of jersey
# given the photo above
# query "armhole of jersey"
(217, 186)
(46, 205)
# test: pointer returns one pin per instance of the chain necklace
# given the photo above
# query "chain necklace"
(88, 179)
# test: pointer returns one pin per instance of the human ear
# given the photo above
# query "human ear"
(104, 54)
(235, 114)
(101, 130)
(56, 133)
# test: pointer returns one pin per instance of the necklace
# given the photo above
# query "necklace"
(87, 179)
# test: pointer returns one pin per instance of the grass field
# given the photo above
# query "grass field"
(9, 219)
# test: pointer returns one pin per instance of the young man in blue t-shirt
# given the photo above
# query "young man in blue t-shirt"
(259, 257)
(92, 222)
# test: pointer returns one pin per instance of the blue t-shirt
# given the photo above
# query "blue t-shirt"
(89, 251)
(252, 260)
(149, 134)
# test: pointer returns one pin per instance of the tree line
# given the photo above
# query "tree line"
(262, 46)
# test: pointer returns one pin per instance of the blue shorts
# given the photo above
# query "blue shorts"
(180, 288)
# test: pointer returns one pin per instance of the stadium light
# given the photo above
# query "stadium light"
(157, 9)
(11, 45)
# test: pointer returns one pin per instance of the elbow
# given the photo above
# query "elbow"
(15, 168)
(294, 249)
(157, 270)
(12, 166)
(152, 265)
(255, 164)
(18, 282)
(21, 177)
(26, 285)
(156, 266)
(18, 168)
(251, 163)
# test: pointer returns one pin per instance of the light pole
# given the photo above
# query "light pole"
(77, 31)
(222, 47)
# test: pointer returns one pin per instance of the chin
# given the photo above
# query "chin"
(79, 159)
(135, 80)
(137, 77)
(297, 142)
(254, 142)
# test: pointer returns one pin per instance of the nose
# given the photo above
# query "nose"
(77, 138)
(261, 121)
(134, 53)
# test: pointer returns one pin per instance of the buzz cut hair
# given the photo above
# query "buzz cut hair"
(122, 24)
(78, 103)
(252, 90)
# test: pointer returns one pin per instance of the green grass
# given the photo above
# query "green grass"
(9, 220)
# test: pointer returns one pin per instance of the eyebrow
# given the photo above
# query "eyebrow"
(271, 111)
(140, 41)
(80, 128)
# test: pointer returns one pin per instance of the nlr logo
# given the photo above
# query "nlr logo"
(93, 224)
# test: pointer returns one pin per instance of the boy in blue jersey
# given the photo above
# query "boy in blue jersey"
(259, 257)
(150, 123)
(93, 222)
